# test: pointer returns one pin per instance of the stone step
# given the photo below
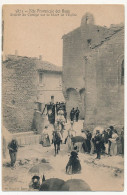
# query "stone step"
(27, 138)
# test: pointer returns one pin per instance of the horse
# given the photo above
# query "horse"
(56, 141)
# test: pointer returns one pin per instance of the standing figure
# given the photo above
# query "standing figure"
(77, 114)
(105, 140)
(84, 144)
(65, 115)
(45, 137)
(113, 150)
(13, 149)
(109, 130)
(71, 133)
(88, 140)
(122, 140)
(98, 142)
(72, 114)
(73, 166)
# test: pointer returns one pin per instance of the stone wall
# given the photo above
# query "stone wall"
(105, 92)
(19, 92)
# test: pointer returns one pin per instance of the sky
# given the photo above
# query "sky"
(34, 35)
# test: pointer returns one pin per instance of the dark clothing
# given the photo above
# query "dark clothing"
(13, 157)
(88, 141)
(122, 141)
(88, 146)
(77, 114)
(13, 148)
(84, 145)
(72, 114)
(65, 116)
(109, 142)
(110, 134)
(104, 140)
(109, 146)
(98, 142)
(36, 182)
(105, 137)
(73, 166)
(94, 146)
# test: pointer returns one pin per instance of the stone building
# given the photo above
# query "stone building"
(24, 84)
(49, 84)
(93, 71)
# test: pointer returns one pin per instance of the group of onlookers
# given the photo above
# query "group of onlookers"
(104, 142)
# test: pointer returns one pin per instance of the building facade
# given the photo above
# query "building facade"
(27, 83)
(49, 84)
(91, 75)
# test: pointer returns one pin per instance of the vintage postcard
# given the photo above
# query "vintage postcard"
(63, 97)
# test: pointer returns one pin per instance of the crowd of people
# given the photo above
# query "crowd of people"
(99, 141)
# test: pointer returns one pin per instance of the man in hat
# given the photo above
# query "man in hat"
(98, 140)
(88, 140)
(72, 114)
(13, 148)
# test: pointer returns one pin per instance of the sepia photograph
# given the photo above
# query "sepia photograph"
(63, 97)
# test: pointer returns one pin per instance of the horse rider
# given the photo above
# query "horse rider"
(56, 128)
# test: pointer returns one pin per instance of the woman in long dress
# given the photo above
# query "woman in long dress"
(71, 133)
(45, 137)
(113, 150)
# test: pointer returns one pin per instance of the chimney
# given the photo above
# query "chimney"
(40, 57)
(16, 52)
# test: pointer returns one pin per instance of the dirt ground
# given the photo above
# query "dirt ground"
(106, 174)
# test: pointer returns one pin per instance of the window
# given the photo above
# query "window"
(122, 73)
(89, 43)
(40, 77)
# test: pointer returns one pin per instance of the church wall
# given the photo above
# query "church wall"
(106, 89)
